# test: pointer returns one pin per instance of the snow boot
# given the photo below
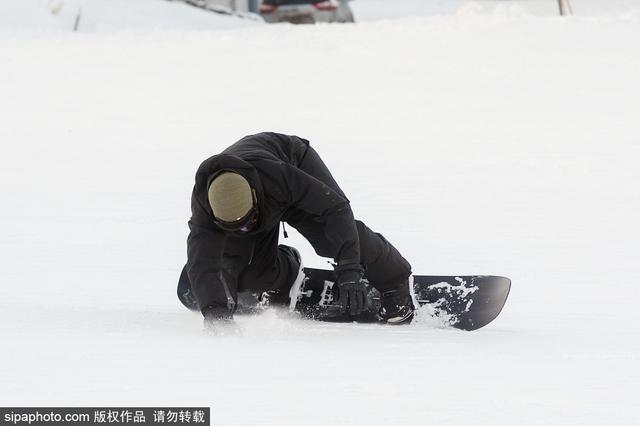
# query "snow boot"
(397, 305)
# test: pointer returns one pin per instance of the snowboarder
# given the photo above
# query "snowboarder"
(239, 199)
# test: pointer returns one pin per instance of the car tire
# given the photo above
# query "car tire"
(350, 19)
(346, 14)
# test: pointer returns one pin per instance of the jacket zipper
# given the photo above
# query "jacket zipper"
(231, 304)
(253, 247)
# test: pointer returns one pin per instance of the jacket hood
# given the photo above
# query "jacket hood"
(229, 163)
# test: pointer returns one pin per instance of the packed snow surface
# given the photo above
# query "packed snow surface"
(485, 138)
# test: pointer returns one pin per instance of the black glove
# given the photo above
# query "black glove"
(351, 292)
(218, 320)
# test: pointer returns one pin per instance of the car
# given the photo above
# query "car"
(306, 11)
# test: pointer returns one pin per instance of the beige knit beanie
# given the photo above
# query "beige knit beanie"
(230, 197)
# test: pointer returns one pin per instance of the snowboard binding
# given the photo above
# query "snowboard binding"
(314, 298)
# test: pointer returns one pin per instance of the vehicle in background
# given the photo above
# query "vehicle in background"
(306, 11)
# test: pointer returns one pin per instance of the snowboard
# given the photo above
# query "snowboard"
(466, 302)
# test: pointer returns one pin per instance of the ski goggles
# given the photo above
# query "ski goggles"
(246, 224)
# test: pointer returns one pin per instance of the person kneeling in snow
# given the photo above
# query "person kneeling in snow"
(239, 199)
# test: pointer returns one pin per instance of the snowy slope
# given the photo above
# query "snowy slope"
(106, 16)
(367, 10)
(486, 142)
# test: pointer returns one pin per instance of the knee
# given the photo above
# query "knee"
(366, 235)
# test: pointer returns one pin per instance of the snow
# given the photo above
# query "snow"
(108, 16)
(494, 138)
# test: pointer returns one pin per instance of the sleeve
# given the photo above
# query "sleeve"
(213, 276)
(340, 239)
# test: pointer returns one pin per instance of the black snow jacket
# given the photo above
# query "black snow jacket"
(271, 162)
